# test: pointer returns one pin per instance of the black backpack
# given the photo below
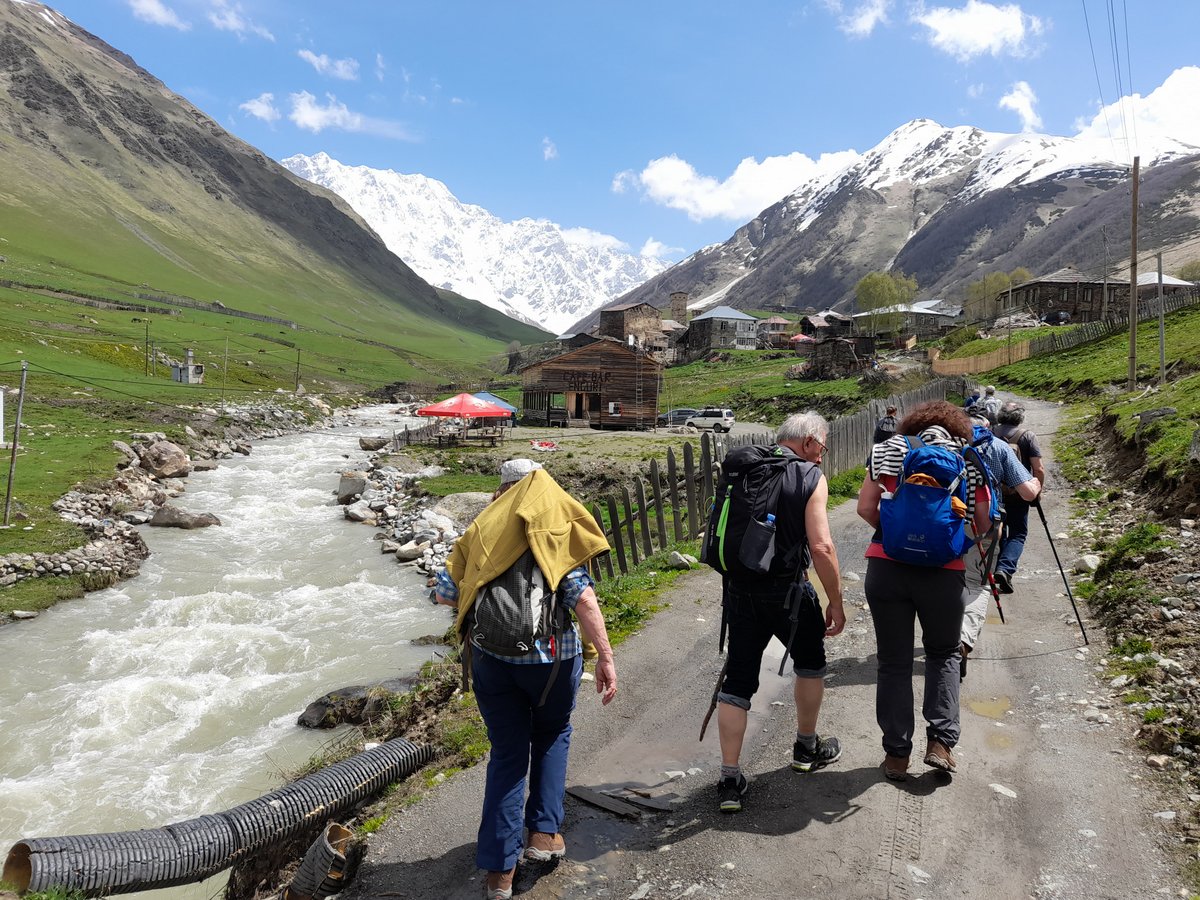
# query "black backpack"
(740, 538)
(514, 610)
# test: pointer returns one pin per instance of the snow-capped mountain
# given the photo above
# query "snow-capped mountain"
(948, 204)
(530, 269)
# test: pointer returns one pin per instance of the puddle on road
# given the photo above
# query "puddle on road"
(999, 740)
(995, 708)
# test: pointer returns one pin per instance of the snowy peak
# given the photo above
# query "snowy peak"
(531, 269)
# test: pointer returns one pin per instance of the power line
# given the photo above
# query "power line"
(1096, 70)
(1116, 59)
(1129, 77)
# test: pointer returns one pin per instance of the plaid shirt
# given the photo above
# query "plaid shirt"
(573, 585)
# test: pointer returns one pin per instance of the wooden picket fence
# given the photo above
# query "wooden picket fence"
(672, 505)
(1016, 351)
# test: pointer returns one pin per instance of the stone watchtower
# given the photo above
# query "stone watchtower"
(679, 307)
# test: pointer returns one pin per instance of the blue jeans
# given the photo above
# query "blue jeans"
(1016, 529)
(526, 739)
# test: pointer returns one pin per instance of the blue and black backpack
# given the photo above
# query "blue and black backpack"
(921, 522)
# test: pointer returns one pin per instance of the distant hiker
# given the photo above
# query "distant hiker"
(757, 610)
(514, 576)
(930, 589)
(885, 427)
(1009, 476)
(991, 403)
(1016, 519)
(972, 400)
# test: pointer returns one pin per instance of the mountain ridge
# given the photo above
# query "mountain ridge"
(532, 269)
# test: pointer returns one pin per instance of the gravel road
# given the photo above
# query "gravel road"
(1046, 804)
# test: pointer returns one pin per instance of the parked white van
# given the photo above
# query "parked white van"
(717, 419)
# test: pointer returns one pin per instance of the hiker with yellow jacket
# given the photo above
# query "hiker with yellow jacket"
(533, 543)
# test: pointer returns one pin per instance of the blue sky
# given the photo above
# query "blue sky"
(665, 124)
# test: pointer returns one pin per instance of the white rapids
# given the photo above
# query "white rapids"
(175, 694)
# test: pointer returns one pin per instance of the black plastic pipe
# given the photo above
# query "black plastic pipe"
(186, 852)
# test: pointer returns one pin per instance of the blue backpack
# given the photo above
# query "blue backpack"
(919, 522)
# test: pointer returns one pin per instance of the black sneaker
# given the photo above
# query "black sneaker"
(730, 792)
(1004, 582)
(827, 751)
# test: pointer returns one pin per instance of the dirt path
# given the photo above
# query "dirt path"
(1046, 804)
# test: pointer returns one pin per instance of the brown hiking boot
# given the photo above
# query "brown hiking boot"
(895, 768)
(544, 847)
(938, 755)
(499, 885)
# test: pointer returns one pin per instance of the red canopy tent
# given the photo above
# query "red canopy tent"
(465, 407)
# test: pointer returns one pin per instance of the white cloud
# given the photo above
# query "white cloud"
(157, 13)
(549, 149)
(1022, 100)
(311, 115)
(228, 16)
(595, 240)
(380, 68)
(262, 107)
(860, 20)
(1171, 110)
(975, 91)
(753, 186)
(345, 69)
(653, 249)
(978, 28)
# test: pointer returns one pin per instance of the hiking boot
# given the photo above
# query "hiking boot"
(498, 885)
(1004, 582)
(938, 756)
(730, 792)
(544, 847)
(827, 751)
(895, 768)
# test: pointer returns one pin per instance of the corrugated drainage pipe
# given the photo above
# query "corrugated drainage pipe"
(185, 852)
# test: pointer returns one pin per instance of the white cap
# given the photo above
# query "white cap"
(515, 469)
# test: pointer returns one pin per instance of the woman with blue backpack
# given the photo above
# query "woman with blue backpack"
(922, 489)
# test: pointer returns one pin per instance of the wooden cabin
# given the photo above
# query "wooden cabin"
(606, 384)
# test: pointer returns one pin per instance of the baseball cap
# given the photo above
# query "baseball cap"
(515, 469)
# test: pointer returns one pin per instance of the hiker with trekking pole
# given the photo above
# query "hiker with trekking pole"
(919, 493)
(768, 525)
(1008, 478)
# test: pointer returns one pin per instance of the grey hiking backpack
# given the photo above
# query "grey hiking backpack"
(516, 609)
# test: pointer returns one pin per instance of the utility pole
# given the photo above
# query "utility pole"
(297, 369)
(146, 347)
(1133, 285)
(1162, 328)
(1010, 321)
(12, 462)
(225, 370)
(1104, 296)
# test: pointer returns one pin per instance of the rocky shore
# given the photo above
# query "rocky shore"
(148, 476)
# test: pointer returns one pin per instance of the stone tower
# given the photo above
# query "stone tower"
(679, 310)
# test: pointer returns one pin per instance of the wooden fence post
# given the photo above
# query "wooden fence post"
(630, 525)
(689, 485)
(614, 520)
(639, 492)
(605, 557)
(660, 518)
(673, 490)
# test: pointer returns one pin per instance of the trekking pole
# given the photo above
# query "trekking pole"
(712, 705)
(991, 580)
(1037, 504)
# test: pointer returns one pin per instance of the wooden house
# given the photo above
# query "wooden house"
(606, 384)
(835, 358)
(773, 333)
(1067, 290)
(826, 324)
(924, 318)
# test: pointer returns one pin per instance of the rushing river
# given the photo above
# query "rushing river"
(176, 693)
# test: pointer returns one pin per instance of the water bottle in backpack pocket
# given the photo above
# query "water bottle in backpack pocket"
(758, 545)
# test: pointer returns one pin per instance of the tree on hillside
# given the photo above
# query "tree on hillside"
(879, 291)
(983, 290)
(1190, 271)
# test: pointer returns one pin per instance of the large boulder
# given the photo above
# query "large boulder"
(462, 509)
(350, 486)
(373, 443)
(353, 705)
(360, 512)
(174, 517)
(162, 459)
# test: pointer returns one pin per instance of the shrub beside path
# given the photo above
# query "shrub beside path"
(1051, 800)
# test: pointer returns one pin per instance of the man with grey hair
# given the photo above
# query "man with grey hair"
(756, 612)
(1016, 508)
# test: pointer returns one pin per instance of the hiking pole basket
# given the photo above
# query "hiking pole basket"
(1037, 504)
